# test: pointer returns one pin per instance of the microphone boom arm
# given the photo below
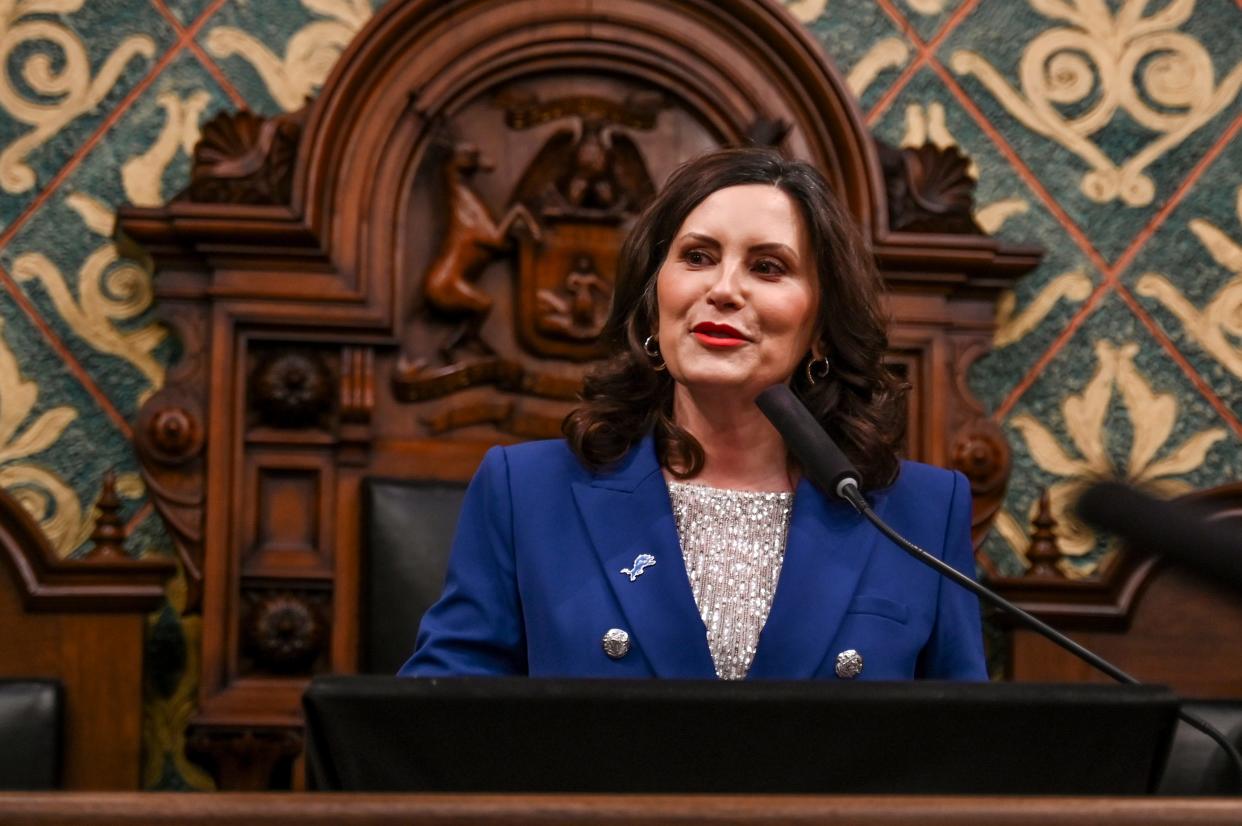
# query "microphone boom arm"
(849, 491)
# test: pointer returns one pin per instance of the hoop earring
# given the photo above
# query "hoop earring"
(817, 369)
(652, 348)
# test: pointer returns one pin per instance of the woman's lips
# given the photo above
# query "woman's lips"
(717, 335)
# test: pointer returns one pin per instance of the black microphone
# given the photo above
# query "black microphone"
(1175, 530)
(821, 459)
(829, 468)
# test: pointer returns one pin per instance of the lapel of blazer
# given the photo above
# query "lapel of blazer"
(627, 513)
(825, 553)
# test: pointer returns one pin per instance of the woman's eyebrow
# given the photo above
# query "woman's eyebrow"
(701, 238)
(775, 246)
(768, 247)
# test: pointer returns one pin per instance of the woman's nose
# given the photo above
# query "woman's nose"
(726, 290)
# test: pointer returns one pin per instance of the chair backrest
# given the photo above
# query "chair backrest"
(1197, 765)
(407, 529)
(30, 731)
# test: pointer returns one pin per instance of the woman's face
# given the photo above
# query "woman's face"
(738, 292)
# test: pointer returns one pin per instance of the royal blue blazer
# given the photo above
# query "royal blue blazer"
(534, 579)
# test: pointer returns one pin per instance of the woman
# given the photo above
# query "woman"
(652, 540)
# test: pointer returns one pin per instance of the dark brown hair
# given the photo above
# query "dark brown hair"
(860, 403)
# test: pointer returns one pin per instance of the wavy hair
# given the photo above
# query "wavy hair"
(860, 403)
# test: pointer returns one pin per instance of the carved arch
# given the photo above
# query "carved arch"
(735, 61)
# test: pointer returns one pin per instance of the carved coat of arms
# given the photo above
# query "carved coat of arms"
(562, 228)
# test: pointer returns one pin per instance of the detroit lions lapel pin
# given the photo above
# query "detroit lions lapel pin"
(641, 563)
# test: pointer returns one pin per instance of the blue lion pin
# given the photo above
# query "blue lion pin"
(641, 563)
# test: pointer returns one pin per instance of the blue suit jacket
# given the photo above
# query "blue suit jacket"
(534, 579)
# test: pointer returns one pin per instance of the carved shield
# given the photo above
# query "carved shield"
(565, 286)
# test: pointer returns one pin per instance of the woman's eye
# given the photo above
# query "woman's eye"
(766, 266)
(695, 258)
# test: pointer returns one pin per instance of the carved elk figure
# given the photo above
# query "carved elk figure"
(472, 239)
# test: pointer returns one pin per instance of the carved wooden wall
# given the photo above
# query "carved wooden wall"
(414, 267)
(81, 621)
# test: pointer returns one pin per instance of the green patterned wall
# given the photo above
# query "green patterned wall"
(1104, 130)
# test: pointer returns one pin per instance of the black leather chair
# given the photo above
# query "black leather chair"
(407, 528)
(30, 734)
(1196, 764)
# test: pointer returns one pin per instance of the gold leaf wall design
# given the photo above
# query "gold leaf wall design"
(806, 11)
(143, 174)
(70, 86)
(110, 289)
(41, 491)
(1013, 326)
(1098, 53)
(926, 7)
(889, 53)
(1218, 326)
(1152, 418)
(309, 55)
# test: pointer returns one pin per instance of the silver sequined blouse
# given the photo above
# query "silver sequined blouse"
(733, 543)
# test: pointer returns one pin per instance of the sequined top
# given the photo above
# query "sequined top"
(733, 543)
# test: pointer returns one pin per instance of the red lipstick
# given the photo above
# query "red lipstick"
(711, 334)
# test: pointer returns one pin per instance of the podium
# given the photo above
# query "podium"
(505, 735)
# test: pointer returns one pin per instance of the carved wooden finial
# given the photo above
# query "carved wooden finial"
(1044, 554)
(109, 533)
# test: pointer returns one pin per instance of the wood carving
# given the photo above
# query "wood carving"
(767, 131)
(284, 632)
(473, 238)
(246, 759)
(357, 404)
(568, 212)
(291, 388)
(109, 533)
(100, 583)
(978, 447)
(588, 179)
(929, 189)
(170, 436)
(242, 158)
(1043, 554)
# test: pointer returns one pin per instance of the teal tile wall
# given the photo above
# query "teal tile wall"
(1104, 130)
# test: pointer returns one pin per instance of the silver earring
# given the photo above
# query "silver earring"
(652, 348)
(817, 369)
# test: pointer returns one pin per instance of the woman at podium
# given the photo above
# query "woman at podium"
(670, 534)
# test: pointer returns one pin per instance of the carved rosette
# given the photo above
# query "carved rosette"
(242, 158)
(291, 388)
(928, 189)
(284, 632)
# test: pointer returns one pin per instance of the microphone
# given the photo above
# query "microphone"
(829, 468)
(1171, 529)
(821, 459)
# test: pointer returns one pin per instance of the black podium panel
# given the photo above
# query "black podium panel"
(528, 735)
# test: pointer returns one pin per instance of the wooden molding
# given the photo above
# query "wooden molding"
(48, 583)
